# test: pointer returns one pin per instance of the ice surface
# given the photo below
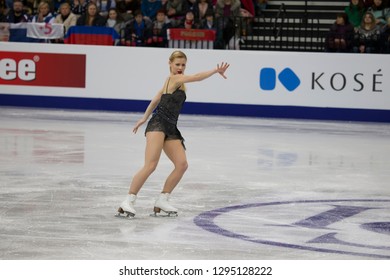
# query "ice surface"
(255, 189)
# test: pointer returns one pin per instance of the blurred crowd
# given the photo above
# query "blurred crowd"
(364, 27)
(138, 22)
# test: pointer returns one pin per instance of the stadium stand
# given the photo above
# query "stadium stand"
(292, 25)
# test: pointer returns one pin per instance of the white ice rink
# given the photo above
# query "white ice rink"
(255, 189)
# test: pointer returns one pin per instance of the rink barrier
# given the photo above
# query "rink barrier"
(263, 111)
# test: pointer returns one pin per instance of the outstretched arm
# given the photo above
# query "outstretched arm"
(220, 69)
(152, 105)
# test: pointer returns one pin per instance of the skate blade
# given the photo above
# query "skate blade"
(164, 214)
(124, 214)
(128, 216)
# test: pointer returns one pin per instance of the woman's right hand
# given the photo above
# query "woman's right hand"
(138, 124)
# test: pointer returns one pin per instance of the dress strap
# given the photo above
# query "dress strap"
(166, 88)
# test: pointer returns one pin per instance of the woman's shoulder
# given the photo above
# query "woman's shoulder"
(176, 79)
(172, 83)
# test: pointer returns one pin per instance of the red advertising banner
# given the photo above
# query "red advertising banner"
(191, 34)
(42, 69)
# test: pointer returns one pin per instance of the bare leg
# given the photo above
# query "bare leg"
(154, 146)
(176, 153)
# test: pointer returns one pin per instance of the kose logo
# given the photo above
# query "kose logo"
(24, 69)
(323, 81)
(42, 69)
(287, 78)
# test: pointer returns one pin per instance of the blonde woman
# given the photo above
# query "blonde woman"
(162, 133)
(43, 13)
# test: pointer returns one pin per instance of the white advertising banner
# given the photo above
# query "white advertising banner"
(44, 30)
(326, 80)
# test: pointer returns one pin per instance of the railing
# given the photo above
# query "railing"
(280, 17)
(281, 33)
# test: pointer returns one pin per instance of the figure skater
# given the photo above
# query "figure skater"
(162, 134)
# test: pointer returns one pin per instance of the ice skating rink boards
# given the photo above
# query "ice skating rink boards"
(256, 189)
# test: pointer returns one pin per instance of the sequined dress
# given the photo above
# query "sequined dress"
(166, 115)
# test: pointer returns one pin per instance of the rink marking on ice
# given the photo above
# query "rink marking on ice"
(326, 231)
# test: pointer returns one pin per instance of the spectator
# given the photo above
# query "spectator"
(355, 11)
(34, 4)
(227, 8)
(57, 5)
(114, 20)
(176, 11)
(189, 21)
(121, 9)
(340, 35)
(249, 6)
(104, 6)
(385, 38)
(16, 14)
(201, 8)
(159, 30)
(79, 7)
(43, 13)
(66, 17)
(366, 37)
(91, 17)
(245, 22)
(149, 8)
(138, 31)
(380, 12)
(126, 8)
(208, 22)
(226, 13)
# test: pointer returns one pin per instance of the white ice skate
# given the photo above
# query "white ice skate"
(162, 204)
(126, 209)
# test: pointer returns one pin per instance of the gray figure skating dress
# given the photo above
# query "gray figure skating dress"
(166, 115)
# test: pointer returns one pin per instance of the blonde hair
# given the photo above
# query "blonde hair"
(43, 3)
(177, 54)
